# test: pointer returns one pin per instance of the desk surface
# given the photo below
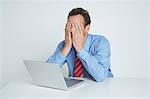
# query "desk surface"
(112, 88)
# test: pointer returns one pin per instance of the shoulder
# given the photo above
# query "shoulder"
(98, 39)
(100, 44)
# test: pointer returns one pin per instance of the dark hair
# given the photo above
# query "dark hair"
(82, 12)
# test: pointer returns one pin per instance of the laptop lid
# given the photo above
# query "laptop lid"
(46, 74)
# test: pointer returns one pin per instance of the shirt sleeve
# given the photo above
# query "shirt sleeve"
(57, 57)
(98, 63)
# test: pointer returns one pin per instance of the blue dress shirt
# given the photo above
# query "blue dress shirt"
(95, 56)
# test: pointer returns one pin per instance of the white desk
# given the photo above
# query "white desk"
(114, 88)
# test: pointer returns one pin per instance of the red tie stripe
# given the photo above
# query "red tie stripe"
(78, 68)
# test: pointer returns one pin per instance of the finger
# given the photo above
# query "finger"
(65, 30)
(66, 27)
(69, 27)
(74, 31)
(79, 28)
(76, 28)
(67, 33)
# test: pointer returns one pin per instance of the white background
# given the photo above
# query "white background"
(148, 32)
(0, 44)
(32, 29)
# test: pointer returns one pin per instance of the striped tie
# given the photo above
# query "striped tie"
(78, 68)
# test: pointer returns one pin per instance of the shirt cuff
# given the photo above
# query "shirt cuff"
(57, 59)
(61, 58)
(83, 54)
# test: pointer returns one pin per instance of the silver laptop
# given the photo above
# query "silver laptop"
(49, 75)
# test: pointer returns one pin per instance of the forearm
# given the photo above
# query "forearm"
(57, 57)
(92, 65)
(65, 51)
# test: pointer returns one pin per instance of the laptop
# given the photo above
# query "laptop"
(50, 75)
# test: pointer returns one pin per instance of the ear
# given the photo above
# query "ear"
(87, 28)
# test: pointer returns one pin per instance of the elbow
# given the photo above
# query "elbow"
(48, 60)
(99, 77)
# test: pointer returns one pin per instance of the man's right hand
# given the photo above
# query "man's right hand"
(68, 40)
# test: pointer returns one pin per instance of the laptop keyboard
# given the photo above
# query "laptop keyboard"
(70, 82)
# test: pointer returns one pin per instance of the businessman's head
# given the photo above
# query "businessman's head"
(81, 17)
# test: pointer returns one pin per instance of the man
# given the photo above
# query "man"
(87, 55)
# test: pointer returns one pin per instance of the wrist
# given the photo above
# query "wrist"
(65, 51)
(79, 50)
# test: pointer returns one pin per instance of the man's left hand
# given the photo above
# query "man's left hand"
(78, 37)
